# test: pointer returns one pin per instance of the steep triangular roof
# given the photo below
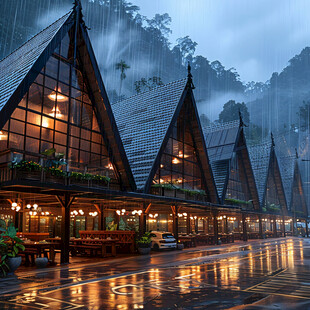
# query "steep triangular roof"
(145, 122)
(221, 142)
(260, 159)
(19, 70)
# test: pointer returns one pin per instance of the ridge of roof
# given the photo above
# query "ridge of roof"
(222, 126)
(149, 90)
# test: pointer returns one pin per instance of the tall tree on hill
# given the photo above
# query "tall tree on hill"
(187, 48)
(231, 112)
(122, 66)
(159, 27)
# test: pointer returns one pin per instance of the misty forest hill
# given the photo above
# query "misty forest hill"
(146, 58)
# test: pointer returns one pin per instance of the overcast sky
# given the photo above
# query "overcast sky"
(257, 37)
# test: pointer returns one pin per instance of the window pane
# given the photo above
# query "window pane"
(85, 134)
(17, 127)
(32, 145)
(73, 155)
(60, 138)
(33, 118)
(33, 131)
(75, 117)
(19, 114)
(85, 145)
(75, 131)
(87, 114)
(95, 123)
(47, 134)
(74, 142)
(84, 157)
(16, 141)
(35, 97)
(49, 102)
(64, 72)
(39, 79)
(50, 83)
(52, 67)
(47, 122)
(60, 126)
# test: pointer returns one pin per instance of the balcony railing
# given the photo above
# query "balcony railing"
(25, 166)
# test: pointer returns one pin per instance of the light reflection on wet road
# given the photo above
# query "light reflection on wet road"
(273, 274)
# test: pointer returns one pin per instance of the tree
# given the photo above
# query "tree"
(122, 66)
(204, 120)
(187, 48)
(304, 115)
(146, 84)
(158, 27)
(231, 112)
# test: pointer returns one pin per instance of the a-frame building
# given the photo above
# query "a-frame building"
(231, 166)
(52, 96)
(163, 140)
(268, 178)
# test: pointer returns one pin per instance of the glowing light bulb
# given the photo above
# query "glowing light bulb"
(14, 204)
(28, 206)
(35, 206)
(175, 161)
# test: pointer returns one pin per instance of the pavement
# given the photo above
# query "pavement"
(259, 274)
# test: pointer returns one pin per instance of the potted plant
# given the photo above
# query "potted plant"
(4, 268)
(144, 244)
(12, 248)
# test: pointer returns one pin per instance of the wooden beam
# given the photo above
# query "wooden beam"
(98, 208)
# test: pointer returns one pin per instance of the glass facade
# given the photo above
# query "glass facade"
(237, 187)
(57, 112)
(179, 163)
(272, 202)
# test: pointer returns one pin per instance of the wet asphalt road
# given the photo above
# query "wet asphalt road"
(270, 274)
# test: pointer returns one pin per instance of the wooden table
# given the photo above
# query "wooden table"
(90, 244)
(38, 249)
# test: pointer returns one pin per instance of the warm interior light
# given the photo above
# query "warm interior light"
(45, 123)
(14, 204)
(56, 113)
(53, 96)
(175, 161)
(28, 206)
(110, 166)
(161, 166)
(35, 206)
(3, 136)
(182, 155)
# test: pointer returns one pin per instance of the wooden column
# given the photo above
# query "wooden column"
(142, 221)
(274, 227)
(65, 203)
(215, 227)
(283, 226)
(188, 224)
(244, 228)
(307, 229)
(226, 225)
(260, 227)
(175, 217)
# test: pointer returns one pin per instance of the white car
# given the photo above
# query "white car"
(163, 240)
